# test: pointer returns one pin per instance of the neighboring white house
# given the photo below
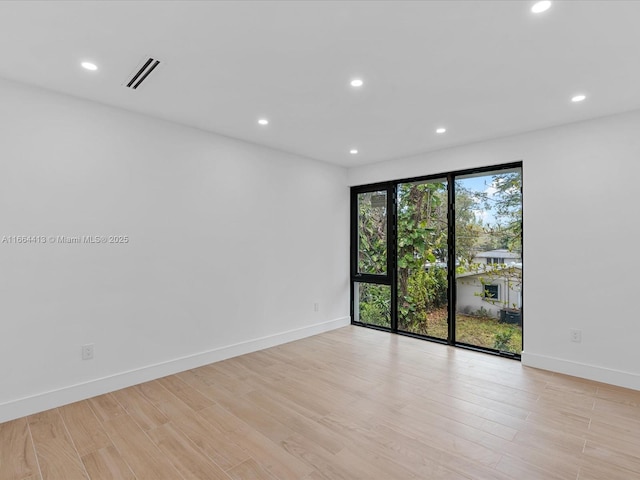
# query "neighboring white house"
(493, 282)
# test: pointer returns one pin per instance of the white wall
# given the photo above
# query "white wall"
(469, 294)
(581, 231)
(230, 246)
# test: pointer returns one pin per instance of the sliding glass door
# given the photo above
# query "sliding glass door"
(488, 212)
(422, 258)
(441, 258)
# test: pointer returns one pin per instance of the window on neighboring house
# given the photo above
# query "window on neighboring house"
(491, 291)
(495, 260)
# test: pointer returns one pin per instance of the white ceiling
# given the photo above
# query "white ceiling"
(483, 69)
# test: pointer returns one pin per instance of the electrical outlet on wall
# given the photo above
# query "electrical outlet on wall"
(576, 335)
(316, 307)
(87, 351)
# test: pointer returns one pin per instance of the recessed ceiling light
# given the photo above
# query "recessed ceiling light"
(540, 7)
(89, 66)
(353, 151)
(578, 98)
(441, 130)
(263, 121)
(357, 82)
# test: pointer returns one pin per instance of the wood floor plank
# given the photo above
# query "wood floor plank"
(107, 464)
(250, 470)
(161, 398)
(223, 420)
(17, 457)
(140, 409)
(517, 468)
(83, 426)
(189, 395)
(185, 456)
(451, 412)
(258, 419)
(316, 457)
(365, 464)
(215, 376)
(138, 451)
(628, 411)
(57, 456)
(205, 382)
(347, 404)
(106, 407)
(620, 395)
(594, 469)
(210, 440)
(379, 452)
(627, 436)
(455, 437)
(303, 425)
(607, 454)
(273, 457)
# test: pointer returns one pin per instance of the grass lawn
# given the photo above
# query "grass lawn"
(482, 332)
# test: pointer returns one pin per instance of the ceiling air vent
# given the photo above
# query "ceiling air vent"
(142, 74)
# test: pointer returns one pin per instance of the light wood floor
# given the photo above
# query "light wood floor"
(349, 404)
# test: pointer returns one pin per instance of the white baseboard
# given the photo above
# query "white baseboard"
(74, 393)
(582, 370)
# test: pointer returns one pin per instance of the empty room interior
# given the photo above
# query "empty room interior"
(306, 240)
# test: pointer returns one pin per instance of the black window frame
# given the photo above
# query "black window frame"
(391, 275)
(487, 292)
(380, 279)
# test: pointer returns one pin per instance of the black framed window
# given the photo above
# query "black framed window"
(440, 257)
(372, 265)
(492, 292)
(372, 236)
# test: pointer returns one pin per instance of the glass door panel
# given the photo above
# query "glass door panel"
(488, 246)
(422, 258)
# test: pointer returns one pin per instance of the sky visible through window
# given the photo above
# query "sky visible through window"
(482, 183)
